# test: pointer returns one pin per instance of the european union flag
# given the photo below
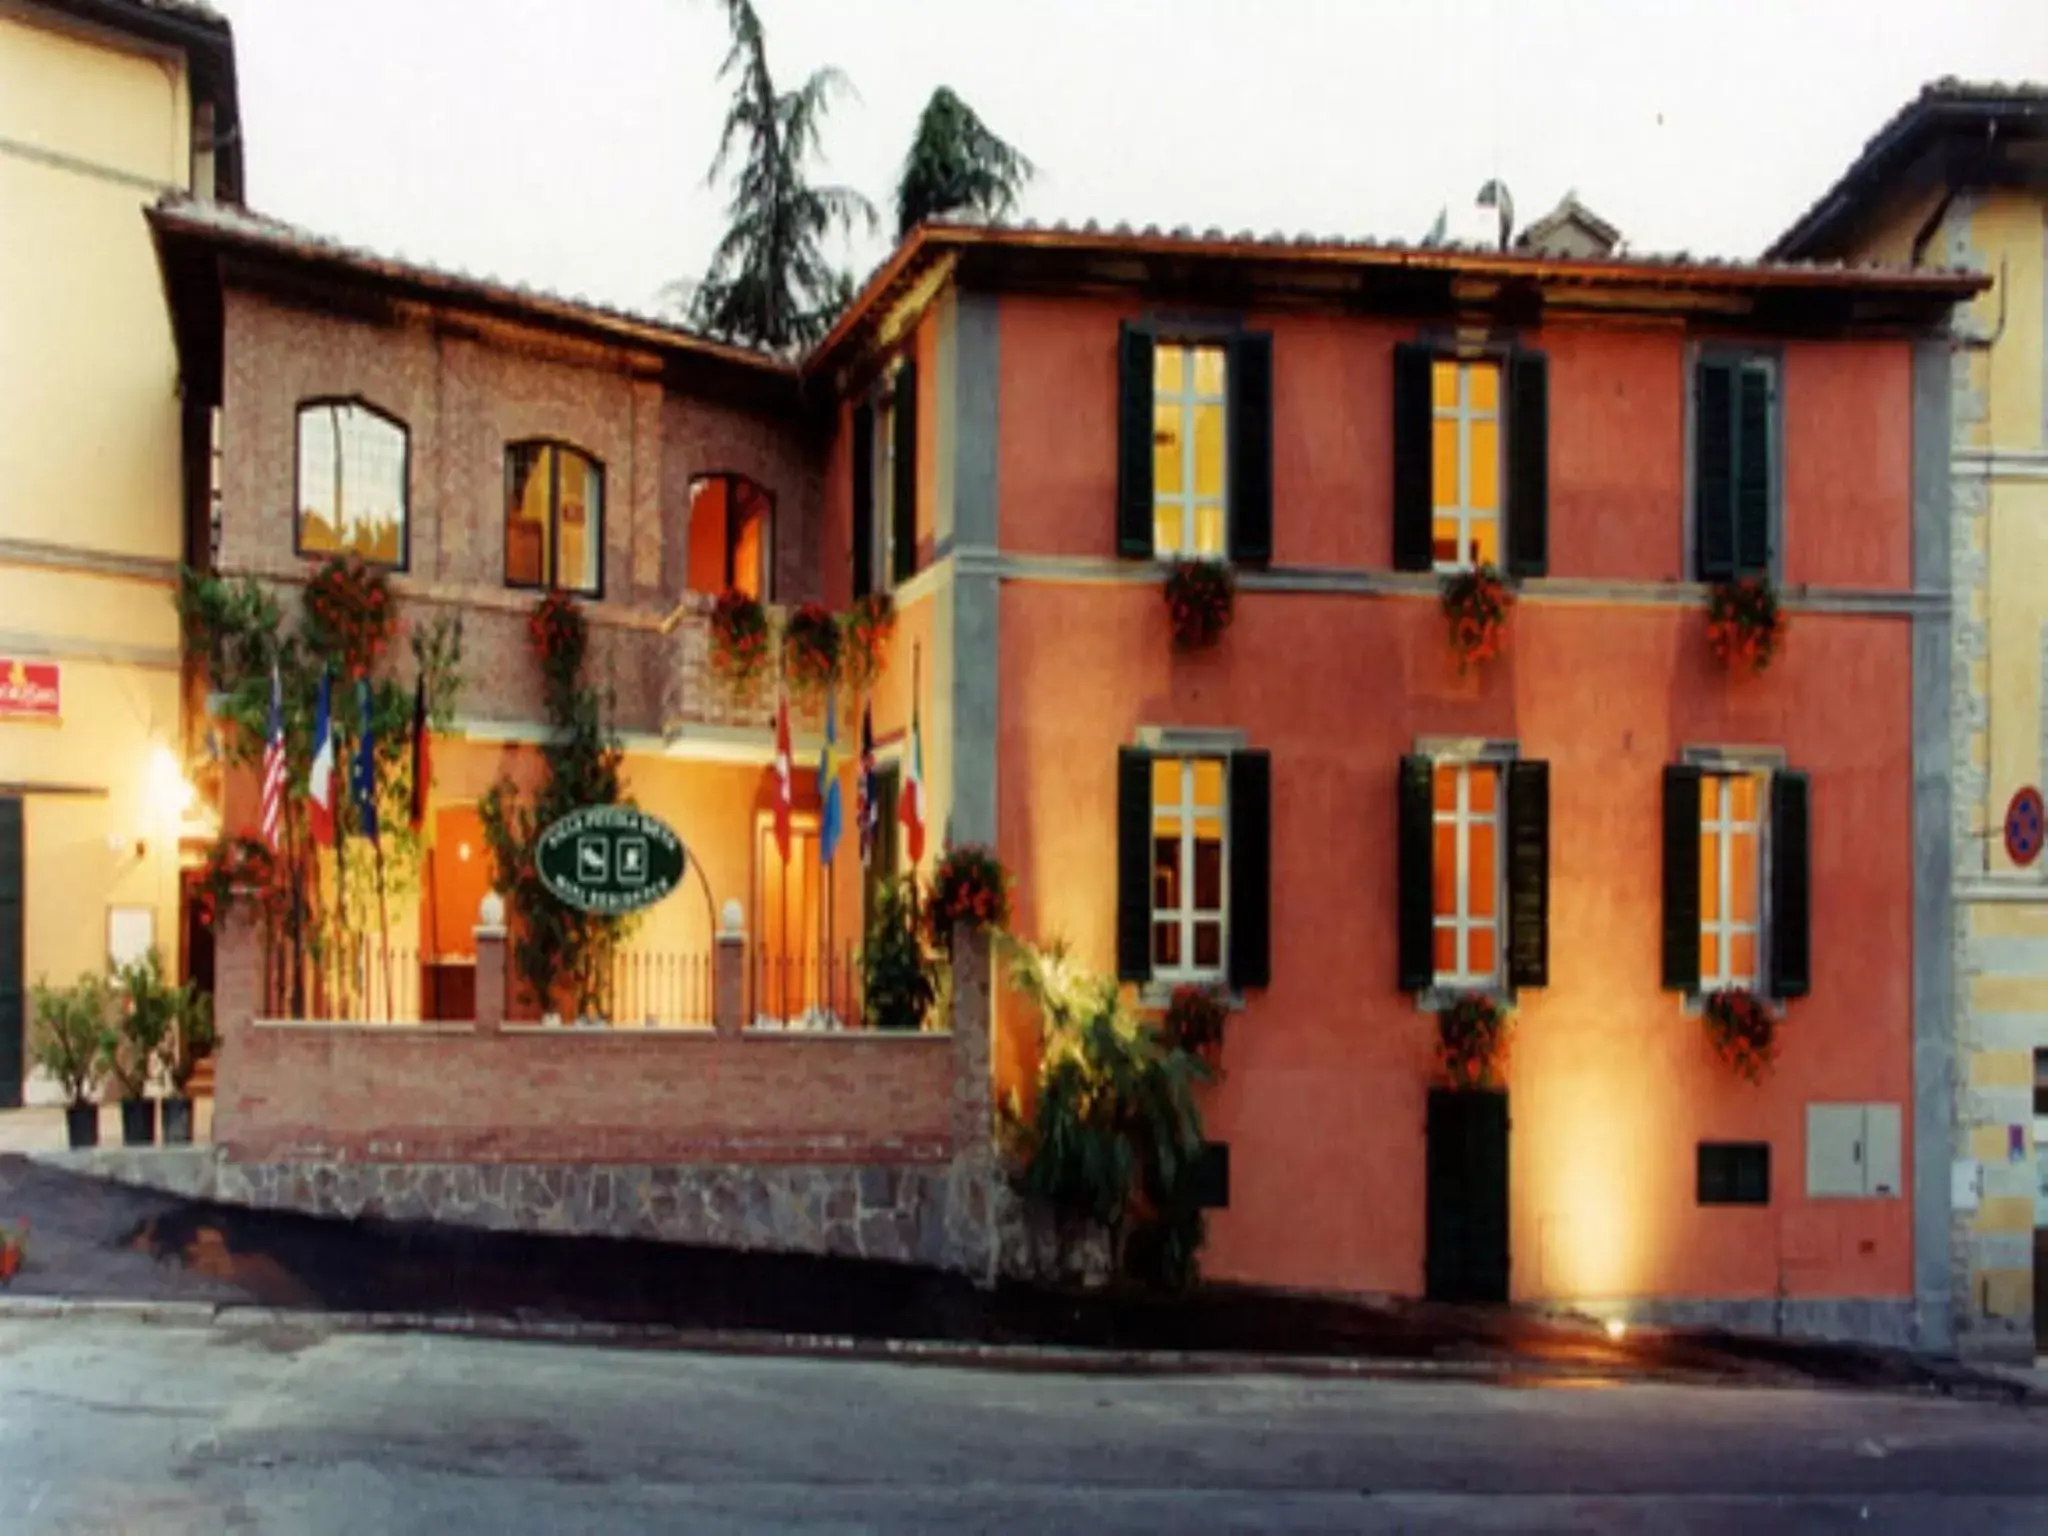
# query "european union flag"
(362, 779)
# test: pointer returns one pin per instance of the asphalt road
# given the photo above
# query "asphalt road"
(107, 1425)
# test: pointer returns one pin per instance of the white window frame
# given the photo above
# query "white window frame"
(1462, 978)
(1464, 413)
(1187, 402)
(884, 531)
(1187, 913)
(1725, 928)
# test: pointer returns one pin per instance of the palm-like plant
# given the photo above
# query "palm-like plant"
(771, 282)
(957, 164)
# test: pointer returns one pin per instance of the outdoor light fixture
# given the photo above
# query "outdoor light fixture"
(1617, 1329)
(169, 794)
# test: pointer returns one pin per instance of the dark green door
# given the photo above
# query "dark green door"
(1466, 1244)
(13, 1006)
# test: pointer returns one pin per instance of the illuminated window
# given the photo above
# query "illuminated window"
(1731, 879)
(732, 536)
(1188, 403)
(1466, 869)
(1188, 868)
(554, 518)
(885, 494)
(1465, 461)
(352, 482)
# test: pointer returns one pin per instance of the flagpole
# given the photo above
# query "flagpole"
(383, 923)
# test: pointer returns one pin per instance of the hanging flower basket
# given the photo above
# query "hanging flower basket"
(1472, 1042)
(1194, 1022)
(810, 652)
(969, 886)
(1743, 1031)
(739, 642)
(1745, 623)
(1201, 596)
(350, 606)
(865, 632)
(238, 864)
(1476, 604)
(559, 636)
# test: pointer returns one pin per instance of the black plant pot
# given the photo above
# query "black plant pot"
(177, 1122)
(82, 1125)
(138, 1122)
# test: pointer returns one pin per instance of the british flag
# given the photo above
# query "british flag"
(866, 814)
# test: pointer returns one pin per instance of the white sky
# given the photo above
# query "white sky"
(564, 143)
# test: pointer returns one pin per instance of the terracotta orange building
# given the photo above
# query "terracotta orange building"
(1327, 817)
(1017, 433)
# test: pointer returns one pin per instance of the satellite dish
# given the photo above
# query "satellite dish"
(1495, 195)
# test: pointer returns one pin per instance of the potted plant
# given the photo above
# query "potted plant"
(1742, 1031)
(897, 984)
(191, 1042)
(73, 1042)
(1476, 604)
(1472, 1042)
(1200, 599)
(1745, 623)
(149, 1009)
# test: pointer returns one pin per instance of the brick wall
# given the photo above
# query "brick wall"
(465, 388)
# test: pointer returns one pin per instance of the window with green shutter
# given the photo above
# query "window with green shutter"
(1195, 445)
(1194, 866)
(1737, 859)
(1474, 852)
(1735, 469)
(1471, 460)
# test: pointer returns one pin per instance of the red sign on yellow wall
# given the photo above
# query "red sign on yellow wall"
(29, 690)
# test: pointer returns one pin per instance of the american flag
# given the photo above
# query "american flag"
(273, 765)
(866, 814)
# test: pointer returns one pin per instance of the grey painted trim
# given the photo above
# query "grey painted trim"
(976, 593)
(56, 159)
(1934, 997)
(945, 414)
(2021, 464)
(1738, 759)
(1191, 741)
(1993, 889)
(44, 555)
(1882, 1320)
(162, 658)
(1092, 570)
(1467, 749)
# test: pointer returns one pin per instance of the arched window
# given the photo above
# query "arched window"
(554, 518)
(732, 536)
(352, 482)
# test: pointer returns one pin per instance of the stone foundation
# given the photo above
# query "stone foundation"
(1886, 1321)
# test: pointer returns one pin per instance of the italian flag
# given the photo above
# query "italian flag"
(910, 810)
(320, 776)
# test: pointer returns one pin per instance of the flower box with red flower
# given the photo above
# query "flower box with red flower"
(1742, 1030)
(1194, 1021)
(1201, 598)
(969, 886)
(1472, 1041)
(810, 652)
(739, 641)
(865, 633)
(351, 608)
(1476, 604)
(1745, 623)
(559, 635)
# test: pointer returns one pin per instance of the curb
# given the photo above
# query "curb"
(1022, 1358)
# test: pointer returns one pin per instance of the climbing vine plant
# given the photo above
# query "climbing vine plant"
(317, 908)
(563, 956)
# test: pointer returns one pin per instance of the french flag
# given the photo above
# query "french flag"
(320, 777)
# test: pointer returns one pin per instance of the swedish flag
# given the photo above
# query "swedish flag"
(828, 783)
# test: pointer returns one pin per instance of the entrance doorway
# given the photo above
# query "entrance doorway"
(1466, 1236)
(455, 880)
(13, 998)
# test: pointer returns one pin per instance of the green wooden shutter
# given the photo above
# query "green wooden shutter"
(903, 510)
(1134, 864)
(13, 1008)
(1414, 510)
(1251, 448)
(1251, 869)
(1417, 899)
(1682, 879)
(1753, 476)
(1528, 850)
(863, 500)
(1791, 917)
(1713, 484)
(1134, 443)
(1528, 532)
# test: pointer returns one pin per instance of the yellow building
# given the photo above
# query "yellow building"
(1960, 178)
(105, 105)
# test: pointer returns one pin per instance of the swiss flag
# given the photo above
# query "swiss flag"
(784, 779)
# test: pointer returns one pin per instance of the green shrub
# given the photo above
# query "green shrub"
(149, 1008)
(897, 978)
(74, 1039)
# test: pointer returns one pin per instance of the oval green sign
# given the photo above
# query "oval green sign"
(609, 859)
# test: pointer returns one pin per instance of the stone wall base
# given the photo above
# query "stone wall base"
(935, 1215)
(1882, 1320)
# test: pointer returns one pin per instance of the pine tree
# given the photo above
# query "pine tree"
(956, 164)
